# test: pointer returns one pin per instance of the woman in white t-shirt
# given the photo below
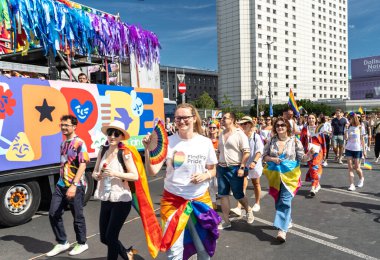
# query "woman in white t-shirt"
(354, 136)
(190, 165)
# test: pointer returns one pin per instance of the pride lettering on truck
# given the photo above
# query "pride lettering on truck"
(30, 109)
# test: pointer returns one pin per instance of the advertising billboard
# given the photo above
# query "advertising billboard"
(365, 67)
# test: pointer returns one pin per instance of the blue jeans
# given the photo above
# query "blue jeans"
(57, 208)
(283, 209)
(228, 180)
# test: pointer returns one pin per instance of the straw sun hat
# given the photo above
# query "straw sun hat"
(116, 124)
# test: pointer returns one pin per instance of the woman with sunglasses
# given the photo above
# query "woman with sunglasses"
(355, 148)
(186, 202)
(312, 137)
(213, 134)
(283, 154)
(113, 189)
(266, 131)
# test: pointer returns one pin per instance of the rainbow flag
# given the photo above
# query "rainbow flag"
(142, 202)
(293, 104)
(367, 166)
(288, 172)
(360, 110)
(199, 211)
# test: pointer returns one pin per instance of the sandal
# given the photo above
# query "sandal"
(131, 252)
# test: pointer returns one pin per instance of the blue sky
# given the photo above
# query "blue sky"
(188, 34)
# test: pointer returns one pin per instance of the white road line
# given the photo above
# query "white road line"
(350, 193)
(156, 179)
(323, 242)
(312, 231)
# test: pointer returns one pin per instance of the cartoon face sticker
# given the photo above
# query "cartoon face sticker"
(137, 104)
(98, 139)
(20, 149)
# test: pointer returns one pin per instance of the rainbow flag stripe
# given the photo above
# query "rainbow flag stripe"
(288, 172)
(293, 104)
(142, 202)
(367, 166)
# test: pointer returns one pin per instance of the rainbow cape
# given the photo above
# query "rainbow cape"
(367, 166)
(142, 202)
(288, 172)
(293, 104)
(200, 212)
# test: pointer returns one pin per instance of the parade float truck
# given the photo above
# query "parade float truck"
(30, 108)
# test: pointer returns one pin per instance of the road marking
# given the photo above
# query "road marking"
(350, 193)
(156, 179)
(323, 242)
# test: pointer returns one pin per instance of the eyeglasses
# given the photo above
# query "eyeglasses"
(116, 133)
(212, 127)
(184, 118)
(64, 125)
(280, 125)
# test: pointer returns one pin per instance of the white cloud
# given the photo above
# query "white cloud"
(351, 26)
(197, 7)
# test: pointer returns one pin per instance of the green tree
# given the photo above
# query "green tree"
(227, 104)
(204, 101)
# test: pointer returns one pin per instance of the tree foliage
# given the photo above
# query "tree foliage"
(204, 101)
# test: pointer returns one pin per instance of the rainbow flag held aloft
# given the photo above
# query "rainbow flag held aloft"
(360, 110)
(293, 104)
(367, 166)
(287, 172)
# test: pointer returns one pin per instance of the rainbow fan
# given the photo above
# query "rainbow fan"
(158, 147)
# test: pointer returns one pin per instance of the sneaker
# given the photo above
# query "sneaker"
(224, 225)
(59, 248)
(376, 160)
(318, 188)
(249, 216)
(78, 248)
(290, 224)
(236, 211)
(360, 183)
(324, 164)
(340, 161)
(352, 187)
(312, 191)
(281, 236)
(256, 207)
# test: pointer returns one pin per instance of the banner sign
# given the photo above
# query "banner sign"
(30, 112)
(365, 67)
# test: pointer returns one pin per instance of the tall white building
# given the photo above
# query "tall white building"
(308, 49)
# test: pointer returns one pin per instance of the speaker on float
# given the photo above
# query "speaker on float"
(99, 77)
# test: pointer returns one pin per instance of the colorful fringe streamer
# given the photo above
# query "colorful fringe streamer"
(293, 104)
(49, 24)
(199, 211)
(288, 172)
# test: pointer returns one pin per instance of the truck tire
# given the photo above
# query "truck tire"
(89, 188)
(18, 202)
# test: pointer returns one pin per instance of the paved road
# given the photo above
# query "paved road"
(336, 224)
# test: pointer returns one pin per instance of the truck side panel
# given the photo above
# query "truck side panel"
(30, 111)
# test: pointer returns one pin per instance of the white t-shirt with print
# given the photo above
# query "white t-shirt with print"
(188, 156)
(354, 138)
(256, 146)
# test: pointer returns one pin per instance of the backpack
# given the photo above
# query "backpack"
(121, 161)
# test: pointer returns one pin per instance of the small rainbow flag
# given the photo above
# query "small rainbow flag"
(360, 110)
(293, 104)
(367, 166)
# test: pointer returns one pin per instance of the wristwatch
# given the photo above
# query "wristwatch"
(76, 184)
(241, 167)
(254, 161)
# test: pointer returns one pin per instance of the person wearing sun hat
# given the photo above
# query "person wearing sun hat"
(113, 188)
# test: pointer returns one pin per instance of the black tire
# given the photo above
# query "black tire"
(89, 188)
(18, 202)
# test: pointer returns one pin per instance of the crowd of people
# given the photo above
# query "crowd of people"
(207, 160)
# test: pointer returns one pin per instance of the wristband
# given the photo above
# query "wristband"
(254, 162)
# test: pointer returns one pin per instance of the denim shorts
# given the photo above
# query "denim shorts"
(353, 154)
(228, 180)
(337, 140)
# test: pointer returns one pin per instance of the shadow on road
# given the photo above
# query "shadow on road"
(30, 244)
(136, 257)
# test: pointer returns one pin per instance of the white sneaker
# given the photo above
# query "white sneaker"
(312, 191)
(324, 164)
(78, 248)
(59, 248)
(224, 225)
(236, 211)
(318, 188)
(376, 160)
(249, 216)
(256, 207)
(290, 224)
(360, 183)
(352, 187)
(340, 161)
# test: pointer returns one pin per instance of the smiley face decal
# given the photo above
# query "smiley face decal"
(20, 149)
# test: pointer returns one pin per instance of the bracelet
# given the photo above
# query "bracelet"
(209, 174)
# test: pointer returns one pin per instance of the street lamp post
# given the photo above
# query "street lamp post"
(257, 83)
(269, 85)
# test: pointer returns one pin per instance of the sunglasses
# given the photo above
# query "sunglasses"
(268, 119)
(212, 127)
(246, 123)
(184, 118)
(116, 133)
(280, 125)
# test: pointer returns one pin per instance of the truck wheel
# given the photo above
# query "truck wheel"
(19, 202)
(89, 188)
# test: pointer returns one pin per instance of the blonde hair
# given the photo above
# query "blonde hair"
(198, 122)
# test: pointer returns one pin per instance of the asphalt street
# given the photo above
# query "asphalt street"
(336, 224)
